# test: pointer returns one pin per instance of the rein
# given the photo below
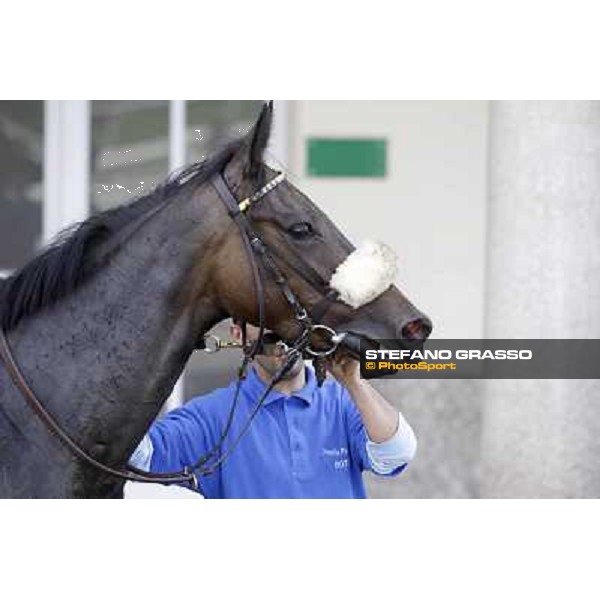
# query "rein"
(257, 252)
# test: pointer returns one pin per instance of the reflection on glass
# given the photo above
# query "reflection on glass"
(209, 124)
(21, 156)
(130, 146)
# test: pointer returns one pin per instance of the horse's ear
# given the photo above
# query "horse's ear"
(248, 159)
(259, 138)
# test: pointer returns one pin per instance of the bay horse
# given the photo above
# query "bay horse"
(103, 321)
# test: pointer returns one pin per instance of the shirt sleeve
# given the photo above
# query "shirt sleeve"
(389, 459)
(142, 455)
(179, 440)
(393, 454)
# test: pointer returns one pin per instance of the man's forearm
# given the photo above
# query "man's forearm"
(379, 416)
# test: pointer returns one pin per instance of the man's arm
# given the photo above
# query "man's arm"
(378, 415)
(391, 441)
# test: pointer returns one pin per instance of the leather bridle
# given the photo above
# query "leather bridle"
(258, 254)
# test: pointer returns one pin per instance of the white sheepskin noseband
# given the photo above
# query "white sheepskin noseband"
(368, 272)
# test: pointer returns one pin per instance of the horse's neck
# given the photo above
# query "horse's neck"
(104, 359)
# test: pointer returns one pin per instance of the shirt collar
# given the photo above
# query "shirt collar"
(256, 387)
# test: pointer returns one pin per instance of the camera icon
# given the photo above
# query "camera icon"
(370, 366)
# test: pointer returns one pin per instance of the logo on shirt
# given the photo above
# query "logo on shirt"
(338, 457)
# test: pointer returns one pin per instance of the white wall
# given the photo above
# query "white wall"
(431, 205)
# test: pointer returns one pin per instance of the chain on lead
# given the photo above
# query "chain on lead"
(213, 343)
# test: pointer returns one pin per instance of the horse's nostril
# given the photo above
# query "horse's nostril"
(419, 329)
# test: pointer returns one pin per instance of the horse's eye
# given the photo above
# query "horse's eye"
(301, 230)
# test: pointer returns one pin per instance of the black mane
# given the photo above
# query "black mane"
(66, 263)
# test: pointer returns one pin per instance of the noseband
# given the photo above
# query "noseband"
(257, 252)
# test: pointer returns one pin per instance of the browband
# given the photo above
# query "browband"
(248, 202)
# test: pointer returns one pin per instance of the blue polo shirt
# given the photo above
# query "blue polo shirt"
(311, 444)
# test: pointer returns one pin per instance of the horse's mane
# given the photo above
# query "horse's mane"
(66, 262)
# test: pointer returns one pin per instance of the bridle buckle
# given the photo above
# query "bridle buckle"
(192, 478)
(301, 314)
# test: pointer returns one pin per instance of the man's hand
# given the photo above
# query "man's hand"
(344, 368)
(378, 415)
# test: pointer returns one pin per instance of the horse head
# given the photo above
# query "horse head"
(347, 289)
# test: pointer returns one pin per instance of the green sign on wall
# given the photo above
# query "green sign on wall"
(347, 157)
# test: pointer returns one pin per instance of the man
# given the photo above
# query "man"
(304, 442)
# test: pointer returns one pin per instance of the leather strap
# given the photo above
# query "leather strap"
(319, 310)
